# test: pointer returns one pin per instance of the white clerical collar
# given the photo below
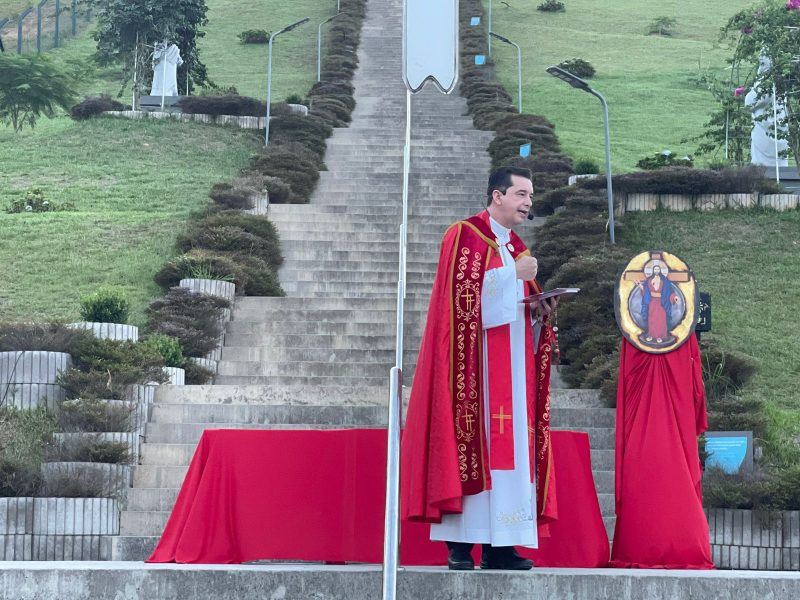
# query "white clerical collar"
(503, 233)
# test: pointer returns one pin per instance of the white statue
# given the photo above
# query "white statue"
(166, 60)
(762, 142)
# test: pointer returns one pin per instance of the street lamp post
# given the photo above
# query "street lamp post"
(489, 30)
(519, 65)
(319, 44)
(272, 36)
(580, 84)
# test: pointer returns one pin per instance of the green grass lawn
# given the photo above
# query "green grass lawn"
(645, 79)
(749, 262)
(294, 54)
(133, 183)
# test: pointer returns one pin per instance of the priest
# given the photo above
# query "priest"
(476, 455)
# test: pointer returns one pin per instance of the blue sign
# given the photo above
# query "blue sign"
(475, 21)
(729, 450)
(480, 59)
(525, 150)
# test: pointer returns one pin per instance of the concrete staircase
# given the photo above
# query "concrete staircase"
(320, 357)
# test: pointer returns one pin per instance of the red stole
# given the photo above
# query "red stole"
(444, 455)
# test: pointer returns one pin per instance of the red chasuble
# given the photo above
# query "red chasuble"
(661, 409)
(444, 451)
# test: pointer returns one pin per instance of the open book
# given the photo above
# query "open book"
(555, 292)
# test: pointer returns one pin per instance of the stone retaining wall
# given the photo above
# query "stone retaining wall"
(56, 528)
(28, 379)
(635, 202)
(746, 539)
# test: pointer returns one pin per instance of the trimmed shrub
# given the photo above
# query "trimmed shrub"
(106, 305)
(254, 36)
(194, 319)
(301, 175)
(169, 348)
(682, 180)
(123, 362)
(551, 6)
(586, 166)
(186, 266)
(665, 158)
(23, 436)
(226, 195)
(195, 374)
(92, 106)
(47, 337)
(236, 105)
(88, 448)
(94, 415)
(294, 99)
(578, 67)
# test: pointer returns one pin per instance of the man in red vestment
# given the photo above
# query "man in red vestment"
(476, 455)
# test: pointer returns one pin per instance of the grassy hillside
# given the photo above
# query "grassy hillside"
(133, 183)
(645, 78)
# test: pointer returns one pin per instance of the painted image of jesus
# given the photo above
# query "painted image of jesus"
(658, 296)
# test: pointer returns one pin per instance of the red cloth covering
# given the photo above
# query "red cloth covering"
(318, 495)
(444, 452)
(661, 409)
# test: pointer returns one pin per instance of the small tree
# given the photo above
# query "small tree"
(662, 26)
(770, 31)
(127, 31)
(33, 86)
(731, 122)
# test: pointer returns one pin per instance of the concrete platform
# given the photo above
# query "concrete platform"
(137, 581)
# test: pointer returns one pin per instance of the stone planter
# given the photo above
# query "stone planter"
(56, 528)
(742, 200)
(745, 539)
(177, 376)
(206, 363)
(115, 479)
(28, 379)
(212, 287)
(298, 109)
(109, 331)
(573, 179)
(641, 202)
(711, 202)
(675, 202)
(260, 205)
(215, 354)
(779, 202)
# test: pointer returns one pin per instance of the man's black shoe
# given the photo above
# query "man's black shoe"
(459, 557)
(503, 557)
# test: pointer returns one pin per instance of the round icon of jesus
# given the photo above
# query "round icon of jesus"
(656, 302)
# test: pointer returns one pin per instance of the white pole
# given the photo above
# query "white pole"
(727, 124)
(269, 89)
(163, 75)
(391, 538)
(775, 131)
(489, 30)
(135, 71)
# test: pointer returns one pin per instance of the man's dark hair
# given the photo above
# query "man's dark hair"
(500, 180)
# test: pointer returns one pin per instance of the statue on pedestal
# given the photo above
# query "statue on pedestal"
(166, 60)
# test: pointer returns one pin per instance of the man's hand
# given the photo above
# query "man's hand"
(545, 307)
(527, 267)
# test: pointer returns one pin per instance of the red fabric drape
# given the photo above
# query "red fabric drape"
(319, 496)
(660, 412)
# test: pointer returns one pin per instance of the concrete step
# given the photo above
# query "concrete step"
(342, 356)
(244, 333)
(228, 416)
(570, 417)
(142, 523)
(237, 346)
(302, 381)
(132, 548)
(270, 395)
(152, 499)
(305, 368)
(89, 581)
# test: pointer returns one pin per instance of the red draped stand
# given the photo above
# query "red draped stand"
(318, 495)
(660, 412)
